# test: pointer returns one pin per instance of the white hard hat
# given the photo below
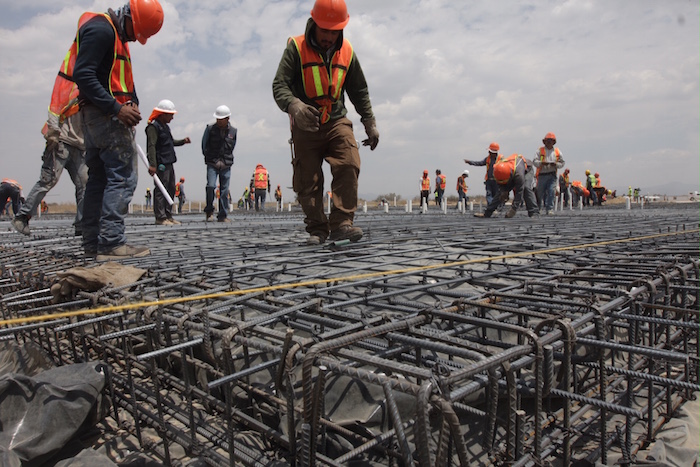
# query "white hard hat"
(466, 172)
(165, 106)
(222, 111)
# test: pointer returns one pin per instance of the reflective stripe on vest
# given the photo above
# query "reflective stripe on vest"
(425, 183)
(121, 80)
(322, 89)
(542, 154)
(443, 181)
(260, 178)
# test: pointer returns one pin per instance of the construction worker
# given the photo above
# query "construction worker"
(180, 193)
(513, 173)
(317, 69)
(564, 185)
(261, 183)
(148, 196)
(424, 188)
(440, 185)
(10, 189)
(578, 192)
(218, 142)
(161, 157)
(109, 111)
(629, 192)
(489, 161)
(547, 160)
(462, 189)
(590, 185)
(278, 197)
(246, 198)
(65, 148)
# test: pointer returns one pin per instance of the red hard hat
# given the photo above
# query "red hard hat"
(550, 136)
(425, 171)
(330, 14)
(147, 18)
(494, 147)
(503, 171)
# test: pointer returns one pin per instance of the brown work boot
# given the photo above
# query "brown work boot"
(164, 222)
(315, 240)
(174, 221)
(122, 252)
(346, 232)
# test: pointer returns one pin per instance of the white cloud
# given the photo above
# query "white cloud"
(617, 81)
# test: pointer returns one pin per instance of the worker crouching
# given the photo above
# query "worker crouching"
(513, 173)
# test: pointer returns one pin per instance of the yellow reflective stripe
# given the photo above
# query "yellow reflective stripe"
(66, 60)
(122, 74)
(338, 88)
(317, 80)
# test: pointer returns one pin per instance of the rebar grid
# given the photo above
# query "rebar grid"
(436, 340)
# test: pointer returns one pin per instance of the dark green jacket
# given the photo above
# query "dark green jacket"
(289, 82)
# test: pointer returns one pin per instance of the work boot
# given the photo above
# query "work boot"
(90, 251)
(224, 219)
(124, 251)
(478, 214)
(21, 224)
(164, 222)
(315, 240)
(174, 222)
(210, 218)
(346, 232)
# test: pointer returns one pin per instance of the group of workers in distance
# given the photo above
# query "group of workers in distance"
(440, 187)
(94, 109)
(533, 182)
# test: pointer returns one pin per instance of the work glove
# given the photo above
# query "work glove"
(372, 133)
(51, 138)
(510, 213)
(305, 116)
(90, 279)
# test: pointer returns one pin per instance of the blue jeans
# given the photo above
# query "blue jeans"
(224, 179)
(110, 155)
(547, 189)
(54, 161)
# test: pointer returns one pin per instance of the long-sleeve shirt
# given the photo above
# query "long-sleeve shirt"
(289, 82)
(94, 64)
(549, 163)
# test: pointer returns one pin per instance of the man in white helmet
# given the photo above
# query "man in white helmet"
(218, 142)
(317, 69)
(462, 188)
(160, 148)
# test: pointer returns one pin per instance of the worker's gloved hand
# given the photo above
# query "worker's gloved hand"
(510, 213)
(91, 279)
(305, 116)
(51, 138)
(372, 133)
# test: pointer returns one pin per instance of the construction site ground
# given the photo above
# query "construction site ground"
(438, 339)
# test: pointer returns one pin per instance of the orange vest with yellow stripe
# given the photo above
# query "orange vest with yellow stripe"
(557, 153)
(322, 88)
(260, 178)
(425, 183)
(64, 100)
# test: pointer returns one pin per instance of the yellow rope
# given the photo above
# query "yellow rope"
(368, 275)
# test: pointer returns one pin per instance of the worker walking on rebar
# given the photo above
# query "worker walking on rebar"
(591, 199)
(160, 148)
(489, 161)
(564, 186)
(109, 110)
(513, 173)
(261, 184)
(316, 70)
(440, 185)
(218, 143)
(462, 189)
(547, 160)
(425, 188)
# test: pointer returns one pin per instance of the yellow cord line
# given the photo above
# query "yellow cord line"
(368, 275)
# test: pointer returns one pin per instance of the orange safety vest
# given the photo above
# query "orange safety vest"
(425, 183)
(578, 184)
(177, 189)
(121, 82)
(497, 159)
(12, 182)
(322, 89)
(557, 153)
(443, 181)
(461, 184)
(513, 160)
(260, 177)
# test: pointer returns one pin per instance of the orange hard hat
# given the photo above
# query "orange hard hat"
(596, 174)
(425, 171)
(503, 171)
(330, 14)
(550, 136)
(494, 147)
(182, 179)
(147, 18)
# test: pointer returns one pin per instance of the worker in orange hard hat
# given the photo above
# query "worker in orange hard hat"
(564, 187)
(425, 188)
(107, 95)
(180, 193)
(316, 70)
(548, 160)
(513, 173)
(489, 183)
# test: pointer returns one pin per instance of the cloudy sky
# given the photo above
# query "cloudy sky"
(617, 81)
